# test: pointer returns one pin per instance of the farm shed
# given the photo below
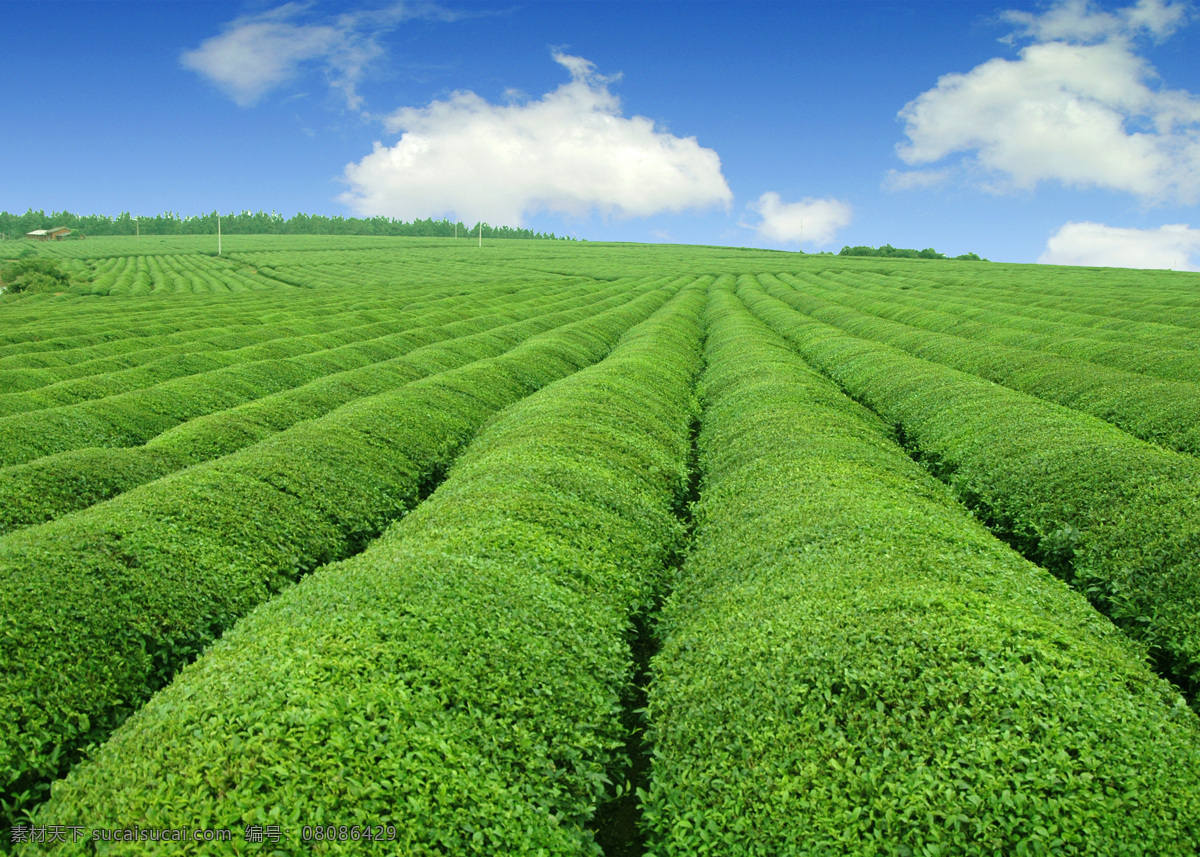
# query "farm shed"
(58, 233)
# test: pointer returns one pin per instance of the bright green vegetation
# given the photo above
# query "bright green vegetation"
(150, 577)
(348, 529)
(249, 223)
(52, 485)
(852, 665)
(887, 251)
(1155, 409)
(474, 658)
(1117, 517)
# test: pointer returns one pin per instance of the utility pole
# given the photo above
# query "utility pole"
(218, 234)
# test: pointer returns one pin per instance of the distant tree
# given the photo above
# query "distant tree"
(33, 274)
(890, 252)
(253, 223)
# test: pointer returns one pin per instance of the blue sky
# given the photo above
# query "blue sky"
(1065, 132)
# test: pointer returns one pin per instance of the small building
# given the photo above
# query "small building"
(58, 233)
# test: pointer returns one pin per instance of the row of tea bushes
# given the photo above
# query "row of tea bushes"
(172, 274)
(103, 384)
(852, 665)
(962, 313)
(132, 418)
(1153, 409)
(1110, 299)
(105, 605)
(1115, 516)
(65, 331)
(55, 485)
(51, 339)
(1026, 304)
(461, 681)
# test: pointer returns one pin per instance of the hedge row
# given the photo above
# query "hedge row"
(51, 335)
(227, 347)
(54, 485)
(963, 314)
(105, 605)
(460, 681)
(1153, 409)
(1022, 294)
(1024, 306)
(102, 385)
(141, 275)
(132, 418)
(852, 665)
(1116, 517)
(1114, 299)
(226, 334)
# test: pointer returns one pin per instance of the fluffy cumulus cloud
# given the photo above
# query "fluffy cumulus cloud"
(1079, 106)
(570, 152)
(255, 54)
(809, 220)
(914, 179)
(1089, 243)
(1079, 20)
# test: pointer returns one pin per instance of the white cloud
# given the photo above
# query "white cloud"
(570, 152)
(1085, 115)
(254, 54)
(1080, 20)
(815, 221)
(914, 179)
(1114, 247)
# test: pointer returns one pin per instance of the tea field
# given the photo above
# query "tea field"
(341, 545)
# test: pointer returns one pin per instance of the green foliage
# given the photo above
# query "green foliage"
(252, 223)
(462, 678)
(1030, 469)
(53, 485)
(1166, 412)
(107, 604)
(33, 274)
(887, 251)
(852, 665)
(473, 662)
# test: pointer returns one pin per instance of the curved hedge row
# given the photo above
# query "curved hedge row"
(852, 665)
(964, 314)
(105, 605)
(55, 485)
(132, 418)
(336, 344)
(1115, 516)
(1153, 409)
(1113, 298)
(51, 339)
(1023, 300)
(461, 680)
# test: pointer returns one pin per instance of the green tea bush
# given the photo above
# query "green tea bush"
(462, 679)
(105, 605)
(1034, 471)
(54, 485)
(1153, 409)
(965, 313)
(852, 665)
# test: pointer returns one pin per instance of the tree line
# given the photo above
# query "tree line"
(904, 253)
(253, 223)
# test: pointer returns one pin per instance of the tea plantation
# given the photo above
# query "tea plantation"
(342, 545)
